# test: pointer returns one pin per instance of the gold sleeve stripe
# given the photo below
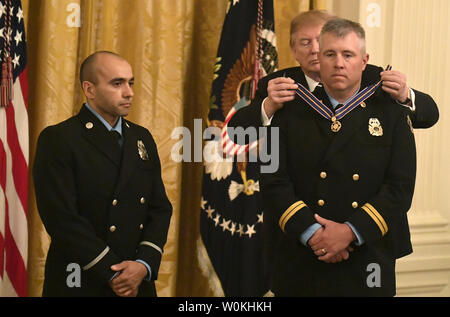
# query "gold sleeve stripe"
(292, 210)
(96, 260)
(375, 215)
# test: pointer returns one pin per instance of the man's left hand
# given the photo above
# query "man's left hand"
(394, 83)
(126, 284)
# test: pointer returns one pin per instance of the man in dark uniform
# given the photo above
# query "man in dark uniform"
(347, 174)
(277, 88)
(99, 192)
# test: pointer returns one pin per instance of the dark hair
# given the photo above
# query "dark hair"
(87, 68)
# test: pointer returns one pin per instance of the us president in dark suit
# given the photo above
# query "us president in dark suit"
(345, 182)
(99, 192)
(277, 88)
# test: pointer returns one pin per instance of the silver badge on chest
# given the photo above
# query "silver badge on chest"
(375, 128)
(142, 150)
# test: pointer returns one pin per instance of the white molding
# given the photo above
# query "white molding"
(426, 272)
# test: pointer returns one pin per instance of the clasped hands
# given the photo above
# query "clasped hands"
(331, 242)
(130, 275)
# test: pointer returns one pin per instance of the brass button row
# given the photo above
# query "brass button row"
(321, 203)
(115, 201)
(323, 175)
(114, 228)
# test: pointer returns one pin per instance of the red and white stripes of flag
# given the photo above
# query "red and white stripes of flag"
(14, 151)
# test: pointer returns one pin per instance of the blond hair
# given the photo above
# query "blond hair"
(309, 18)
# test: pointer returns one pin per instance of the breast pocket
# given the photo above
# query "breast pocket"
(146, 165)
(373, 151)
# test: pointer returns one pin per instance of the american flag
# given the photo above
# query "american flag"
(230, 252)
(13, 151)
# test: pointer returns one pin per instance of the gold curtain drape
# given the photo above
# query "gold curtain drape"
(172, 46)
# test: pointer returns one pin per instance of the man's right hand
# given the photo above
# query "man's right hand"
(338, 257)
(279, 91)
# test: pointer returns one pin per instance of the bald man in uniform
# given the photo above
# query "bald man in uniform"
(99, 191)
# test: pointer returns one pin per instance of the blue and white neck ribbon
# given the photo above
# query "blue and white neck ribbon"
(341, 112)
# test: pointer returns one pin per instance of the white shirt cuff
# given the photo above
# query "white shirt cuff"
(413, 101)
(264, 118)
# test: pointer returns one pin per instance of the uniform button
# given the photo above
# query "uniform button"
(321, 202)
(141, 226)
(112, 228)
(142, 200)
(114, 202)
(355, 204)
(323, 175)
(355, 177)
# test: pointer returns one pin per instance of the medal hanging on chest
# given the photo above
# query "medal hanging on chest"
(335, 124)
(341, 112)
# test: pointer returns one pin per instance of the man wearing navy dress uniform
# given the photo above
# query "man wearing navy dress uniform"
(99, 191)
(345, 182)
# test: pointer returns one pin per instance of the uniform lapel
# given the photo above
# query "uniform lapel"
(351, 123)
(130, 154)
(324, 124)
(96, 133)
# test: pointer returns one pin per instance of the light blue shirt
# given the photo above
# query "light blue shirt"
(334, 102)
(118, 128)
(309, 232)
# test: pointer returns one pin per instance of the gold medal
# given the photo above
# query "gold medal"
(335, 125)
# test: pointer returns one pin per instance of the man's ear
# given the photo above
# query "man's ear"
(365, 61)
(88, 89)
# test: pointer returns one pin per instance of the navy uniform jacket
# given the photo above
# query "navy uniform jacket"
(351, 175)
(425, 115)
(100, 204)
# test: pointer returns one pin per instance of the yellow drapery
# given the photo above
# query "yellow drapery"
(172, 46)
